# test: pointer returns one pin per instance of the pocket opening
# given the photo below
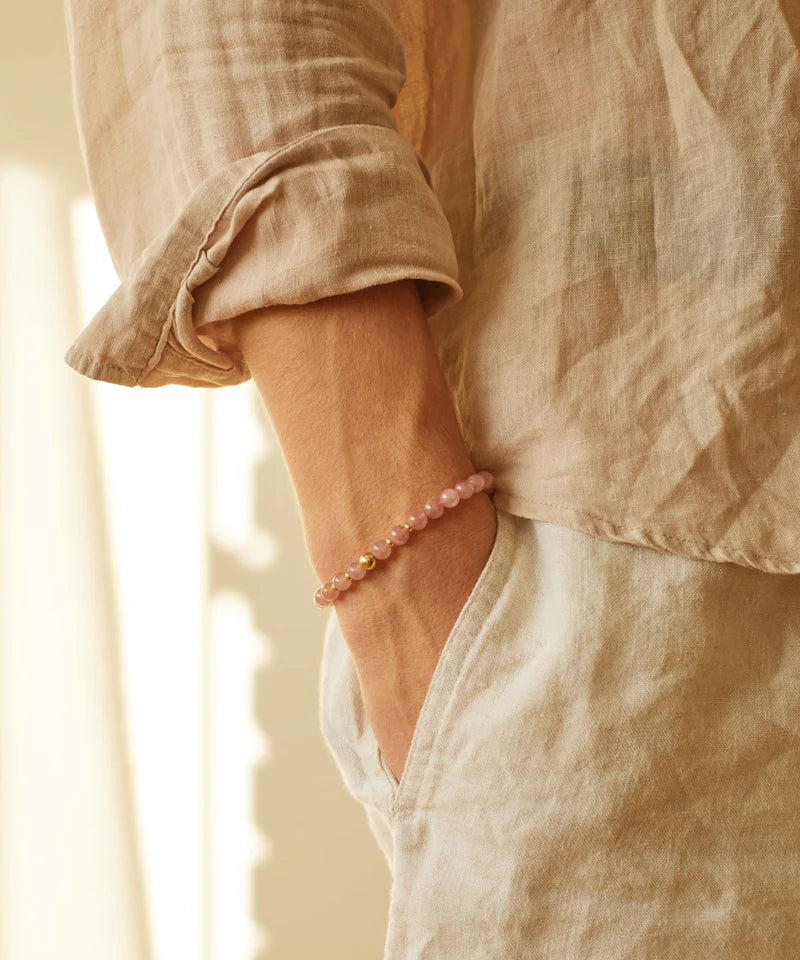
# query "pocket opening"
(449, 667)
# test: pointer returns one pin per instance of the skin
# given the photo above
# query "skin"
(365, 421)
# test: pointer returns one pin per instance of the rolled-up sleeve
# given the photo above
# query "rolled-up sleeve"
(241, 155)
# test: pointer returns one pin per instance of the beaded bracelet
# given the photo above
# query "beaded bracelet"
(327, 594)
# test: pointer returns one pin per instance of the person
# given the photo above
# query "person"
(559, 243)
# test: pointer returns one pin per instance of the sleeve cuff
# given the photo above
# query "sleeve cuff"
(337, 210)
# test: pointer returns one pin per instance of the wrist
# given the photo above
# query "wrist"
(358, 507)
(334, 546)
(419, 590)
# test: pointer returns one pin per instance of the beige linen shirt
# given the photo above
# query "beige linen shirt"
(600, 203)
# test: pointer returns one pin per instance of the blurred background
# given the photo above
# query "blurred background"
(165, 792)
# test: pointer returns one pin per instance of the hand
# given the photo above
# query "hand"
(396, 623)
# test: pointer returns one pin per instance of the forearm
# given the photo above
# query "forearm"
(361, 410)
(364, 417)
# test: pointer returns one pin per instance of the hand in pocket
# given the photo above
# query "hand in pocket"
(397, 628)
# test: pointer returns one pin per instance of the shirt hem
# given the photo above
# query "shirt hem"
(607, 529)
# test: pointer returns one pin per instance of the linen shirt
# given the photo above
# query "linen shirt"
(600, 203)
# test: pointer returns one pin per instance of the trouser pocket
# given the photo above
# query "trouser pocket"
(452, 667)
(343, 719)
(348, 735)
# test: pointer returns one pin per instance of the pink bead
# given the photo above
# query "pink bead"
(488, 480)
(477, 482)
(329, 592)
(356, 571)
(433, 508)
(320, 600)
(418, 519)
(449, 498)
(399, 535)
(341, 582)
(380, 549)
(464, 489)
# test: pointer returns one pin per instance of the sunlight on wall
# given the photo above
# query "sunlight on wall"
(174, 466)
(151, 455)
(235, 748)
(69, 873)
(238, 441)
(236, 651)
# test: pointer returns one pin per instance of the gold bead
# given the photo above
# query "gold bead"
(389, 541)
(408, 527)
(367, 561)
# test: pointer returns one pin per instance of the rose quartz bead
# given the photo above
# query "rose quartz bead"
(329, 592)
(433, 508)
(418, 519)
(341, 582)
(464, 489)
(449, 498)
(477, 482)
(488, 480)
(320, 600)
(380, 549)
(356, 571)
(399, 535)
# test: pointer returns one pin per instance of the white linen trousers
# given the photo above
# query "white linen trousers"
(606, 765)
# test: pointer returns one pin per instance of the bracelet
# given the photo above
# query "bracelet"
(328, 593)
